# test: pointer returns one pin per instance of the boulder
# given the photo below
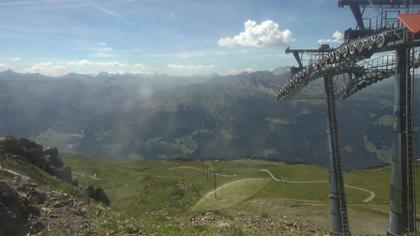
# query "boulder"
(13, 212)
(37, 196)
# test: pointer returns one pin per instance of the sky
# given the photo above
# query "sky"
(174, 37)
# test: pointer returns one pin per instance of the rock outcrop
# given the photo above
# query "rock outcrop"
(13, 212)
(47, 160)
(30, 209)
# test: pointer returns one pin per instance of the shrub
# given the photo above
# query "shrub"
(98, 194)
(12, 146)
(62, 173)
(53, 152)
(55, 161)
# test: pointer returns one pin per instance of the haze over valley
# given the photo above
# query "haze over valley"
(195, 117)
(209, 117)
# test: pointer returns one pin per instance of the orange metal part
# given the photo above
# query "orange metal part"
(411, 21)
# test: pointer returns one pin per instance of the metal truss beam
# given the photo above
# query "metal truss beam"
(342, 3)
(343, 59)
(357, 13)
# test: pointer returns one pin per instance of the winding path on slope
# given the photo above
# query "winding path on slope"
(184, 167)
(368, 199)
(371, 196)
(197, 169)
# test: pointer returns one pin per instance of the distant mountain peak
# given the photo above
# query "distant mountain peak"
(281, 70)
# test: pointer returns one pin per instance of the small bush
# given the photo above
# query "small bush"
(62, 173)
(264, 215)
(75, 182)
(54, 159)
(98, 194)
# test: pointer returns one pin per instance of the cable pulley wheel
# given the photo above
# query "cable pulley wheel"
(359, 46)
(344, 51)
(370, 43)
(331, 57)
(352, 48)
(380, 41)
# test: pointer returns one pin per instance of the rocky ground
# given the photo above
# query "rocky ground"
(261, 224)
(30, 209)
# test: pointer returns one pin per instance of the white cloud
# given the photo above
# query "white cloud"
(81, 66)
(93, 67)
(103, 52)
(16, 59)
(42, 64)
(238, 71)
(47, 68)
(189, 54)
(79, 63)
(107, 12)
(85, 66)
(142, 69)
(259, 35)
(111, 64)
(102, 44)
(191, 67)
(337, 37)
(88, 66)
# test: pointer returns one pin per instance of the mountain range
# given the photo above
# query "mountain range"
(197, 117)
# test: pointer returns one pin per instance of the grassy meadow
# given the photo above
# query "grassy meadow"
(171, 193)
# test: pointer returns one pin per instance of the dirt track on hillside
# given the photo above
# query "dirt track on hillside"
(372, 194)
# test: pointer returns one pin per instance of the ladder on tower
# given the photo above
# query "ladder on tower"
(410, 160)
(332, 113)
(339, 171)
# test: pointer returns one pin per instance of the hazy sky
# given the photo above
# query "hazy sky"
(177, 37)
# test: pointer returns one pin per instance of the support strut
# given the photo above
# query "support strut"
(402, 208)
(338, 207)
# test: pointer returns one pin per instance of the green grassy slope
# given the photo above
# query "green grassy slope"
(230, 194)
(169, 192)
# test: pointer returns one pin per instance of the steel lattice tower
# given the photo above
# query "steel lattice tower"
(396, 30)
